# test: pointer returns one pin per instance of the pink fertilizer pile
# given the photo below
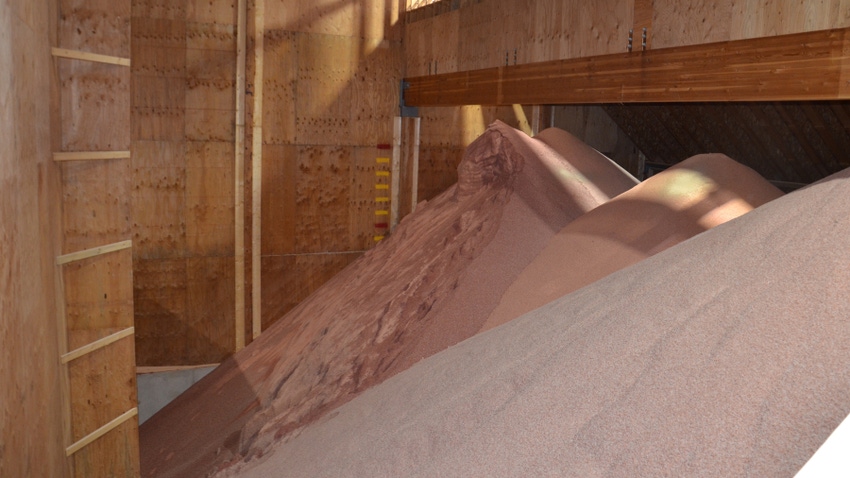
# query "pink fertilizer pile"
(724, 355)
(441, 274)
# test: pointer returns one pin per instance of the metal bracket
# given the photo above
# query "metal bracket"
(406, 111)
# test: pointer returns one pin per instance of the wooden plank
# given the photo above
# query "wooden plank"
(239, 176)
(97, 344)
(90, 155)
(414, 186)
(804, 66)
(395, 173)
(80, 444)
(86, 56)
(257, 171)
(95, 251)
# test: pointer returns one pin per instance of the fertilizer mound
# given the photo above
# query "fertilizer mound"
(431, 284)
(725, 355)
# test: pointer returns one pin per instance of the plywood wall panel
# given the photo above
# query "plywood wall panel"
(206, 11)
(161, 32)
(30, 402)
(326, 66)
(96, 203)
(280, 72)
(321, 198)
(209, 125)
(361, 19)
(103, 385)
(95, 106)
(159, 9)
(209, 199)
(159, 61)
(375, 96)
(159, 296)
(158, 92)
(361, 201)
(98, 296)
(158, 200)
(280, 166)
(158, 124)
(694, 22)
(210, 313)
(96, 26)
(210, 36)
(90, 460)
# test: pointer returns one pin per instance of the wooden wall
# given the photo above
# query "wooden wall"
(182, 170)
(31, 437)
(331, 75)
(470, 34)
(97, 292)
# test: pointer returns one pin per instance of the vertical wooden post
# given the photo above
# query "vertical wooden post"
(535, 120)
(395, 172)
(414, 186)
(239, 177)
(257, 170)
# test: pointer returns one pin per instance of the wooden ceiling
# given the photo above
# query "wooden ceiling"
(786, 142)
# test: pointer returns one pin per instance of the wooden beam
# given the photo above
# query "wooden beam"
(802, 66)
(86, 56)
(89, 155)
(95, 251)
(86, 440)
(97, 344)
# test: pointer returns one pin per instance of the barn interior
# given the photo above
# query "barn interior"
(186, 184)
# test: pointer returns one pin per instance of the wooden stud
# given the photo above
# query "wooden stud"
(86, 56)
(257, 171)
(395, 173)
(96, 251)
(414, 187)
(83, 442)
(239, 176)
(535, 120)
(801, 66)
(97, 344)
(89, 155)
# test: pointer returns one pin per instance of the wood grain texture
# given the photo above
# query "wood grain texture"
(103, 386)
(96, 205)
(30, 237)
(95, 106)
(804, 66)
(158, 199)
(209, 199)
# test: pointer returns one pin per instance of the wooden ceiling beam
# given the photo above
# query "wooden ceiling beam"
(801, 66)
